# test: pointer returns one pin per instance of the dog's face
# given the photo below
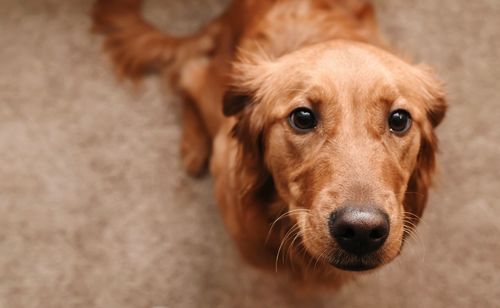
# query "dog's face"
(346, 133)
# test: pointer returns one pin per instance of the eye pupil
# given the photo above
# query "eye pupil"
(302, 119)
(399, 121)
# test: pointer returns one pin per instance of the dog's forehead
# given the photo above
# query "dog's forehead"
(342, 66)
(340, 72)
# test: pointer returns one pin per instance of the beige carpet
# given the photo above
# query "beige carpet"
(95, 210)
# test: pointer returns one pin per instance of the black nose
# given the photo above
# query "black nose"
(359, 230)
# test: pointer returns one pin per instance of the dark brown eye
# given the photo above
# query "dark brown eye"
(399, 121)
(302, 120)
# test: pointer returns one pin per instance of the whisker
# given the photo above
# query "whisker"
(320, 258)
(283, 241)
(416, 217)
(292, 246)
(286, 214)
(412, 233)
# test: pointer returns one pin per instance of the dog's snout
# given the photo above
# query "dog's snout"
(359, 230)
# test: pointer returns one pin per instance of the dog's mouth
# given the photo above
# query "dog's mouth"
(356, 266)
(354, 263)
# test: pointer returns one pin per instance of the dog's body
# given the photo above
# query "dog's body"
(280, 188)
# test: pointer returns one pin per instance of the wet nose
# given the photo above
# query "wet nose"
(359, 230)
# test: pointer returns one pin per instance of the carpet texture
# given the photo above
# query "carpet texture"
(96, 211)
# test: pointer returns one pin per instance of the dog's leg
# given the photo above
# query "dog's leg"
(204, 84)
(195, 144)
(197, 65)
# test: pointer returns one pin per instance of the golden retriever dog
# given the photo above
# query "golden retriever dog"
(320, 140)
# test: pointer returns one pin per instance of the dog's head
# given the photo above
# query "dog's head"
(345, 133)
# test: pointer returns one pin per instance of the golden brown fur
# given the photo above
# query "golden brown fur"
(255, 64)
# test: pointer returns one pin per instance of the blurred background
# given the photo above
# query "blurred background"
(96, 211)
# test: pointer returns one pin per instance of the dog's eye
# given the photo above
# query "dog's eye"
(399, 121)
(302, 120)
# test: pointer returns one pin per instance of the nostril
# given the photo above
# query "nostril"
(378, 233)
(347, 233)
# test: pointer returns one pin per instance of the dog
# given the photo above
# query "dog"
(319, 138)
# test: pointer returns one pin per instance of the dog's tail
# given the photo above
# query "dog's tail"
(137, 47)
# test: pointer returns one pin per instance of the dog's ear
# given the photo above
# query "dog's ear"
(421, 179)
(249, 131)
(254, 181)
(249, 75)
(246, 98)
(437, 111)
(434, 95)
(435, 105)
(234, 102)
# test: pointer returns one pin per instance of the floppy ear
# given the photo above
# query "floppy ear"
(246, 98)
(249, 130)
(249, 74)
(435, 108)
(256, 187)
(434, 95)
(255, 183)
(421, 180)
(234, 102)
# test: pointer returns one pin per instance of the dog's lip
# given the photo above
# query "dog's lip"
(354, 267)
(357, 266)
